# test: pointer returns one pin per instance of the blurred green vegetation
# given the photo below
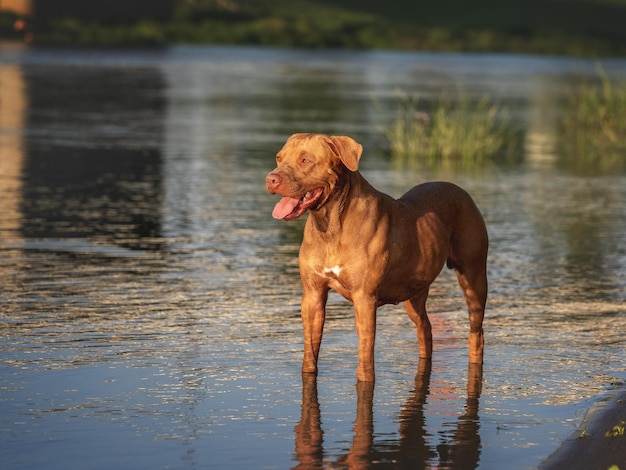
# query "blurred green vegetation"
(454, 132)
(579, 27)
(459, 133)
(593, 129)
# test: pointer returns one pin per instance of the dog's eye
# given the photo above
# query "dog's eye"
(305, 160)
(278, 159)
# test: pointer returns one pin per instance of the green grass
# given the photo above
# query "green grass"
(593, 130)
(617, 430)
(457, 132)
(299, 23)
(572, 27)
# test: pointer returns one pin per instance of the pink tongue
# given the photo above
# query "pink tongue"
(284, 207)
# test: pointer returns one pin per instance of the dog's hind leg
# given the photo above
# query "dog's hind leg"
(473, 282)
(469, 244)
(416, 310)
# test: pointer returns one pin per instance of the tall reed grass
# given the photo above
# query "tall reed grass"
(593, 134)
(457, 132)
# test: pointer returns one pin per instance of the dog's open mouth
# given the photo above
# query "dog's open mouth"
(291, 207)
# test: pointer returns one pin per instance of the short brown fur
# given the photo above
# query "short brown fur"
(374, 249)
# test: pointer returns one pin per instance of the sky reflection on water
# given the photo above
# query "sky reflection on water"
(150, 310)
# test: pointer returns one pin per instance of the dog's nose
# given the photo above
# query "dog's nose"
(272, 181)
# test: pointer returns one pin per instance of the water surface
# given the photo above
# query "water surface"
(150, 312)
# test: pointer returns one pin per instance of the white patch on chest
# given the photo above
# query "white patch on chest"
(336, 270)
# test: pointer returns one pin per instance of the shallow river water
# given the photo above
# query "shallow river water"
(150, 303)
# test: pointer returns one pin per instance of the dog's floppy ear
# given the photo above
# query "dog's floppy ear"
(348, 150)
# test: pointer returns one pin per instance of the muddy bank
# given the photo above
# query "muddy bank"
(599, 443)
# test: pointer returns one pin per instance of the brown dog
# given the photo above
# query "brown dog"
(374, 249)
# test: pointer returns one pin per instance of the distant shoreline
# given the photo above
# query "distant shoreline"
(592, 29)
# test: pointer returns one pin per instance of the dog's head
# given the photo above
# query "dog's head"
(308, 168)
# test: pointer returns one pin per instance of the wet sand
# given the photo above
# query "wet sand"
(600, 441)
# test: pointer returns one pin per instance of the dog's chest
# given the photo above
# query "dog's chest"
(332, 273)
(336, 276)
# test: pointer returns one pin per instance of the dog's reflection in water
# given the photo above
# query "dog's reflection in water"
(411, 449)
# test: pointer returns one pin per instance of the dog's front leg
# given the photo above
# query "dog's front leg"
(365, 318)
(313, 316)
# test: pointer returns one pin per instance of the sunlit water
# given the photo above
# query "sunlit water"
(150, 304)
